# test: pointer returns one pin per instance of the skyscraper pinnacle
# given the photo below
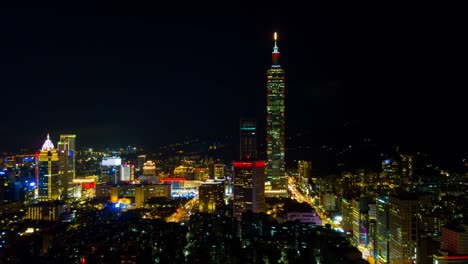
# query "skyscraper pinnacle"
(275, 54)
(275, 37)
(48, 145)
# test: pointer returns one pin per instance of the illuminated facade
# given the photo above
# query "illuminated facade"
(407, 166)
(49, 184)
(138, 193)
(454, 239)
(304, 175)
(249, 187)
(403, 227)
(248, 139)
(47, 211)
(110, 170)
(66, 152)
(304, 169)
(383, 235)
(397, 229)
(218, 171)
(210, 196)
(149, 168)
(275, 124)
(125, 172)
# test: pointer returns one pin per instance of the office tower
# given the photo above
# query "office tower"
(391, 171)
(249, 187)
(275, 124)
(210, 196)
(140, 163)
(360, 222)
(66, 152)
(48, 172)
(454, 239)
(248, 139)
(355, 221)
(347, 214)
(382, 252)
(304, 176)
(407, 169)
(125, 172)
(403, 229)
(304, 169)
(397, 229)
(110, 170)
(218, 171)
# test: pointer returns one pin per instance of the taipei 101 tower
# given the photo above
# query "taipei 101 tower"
(276, 185)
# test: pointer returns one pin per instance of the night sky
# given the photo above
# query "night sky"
(153, 74)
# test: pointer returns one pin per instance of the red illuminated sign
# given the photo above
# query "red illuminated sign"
(248, 164)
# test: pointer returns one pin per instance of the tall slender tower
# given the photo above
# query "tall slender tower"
(275, 126)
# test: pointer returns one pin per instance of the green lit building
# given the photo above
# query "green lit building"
(275, 127)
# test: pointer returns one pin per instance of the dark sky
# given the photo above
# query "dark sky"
(152, 74)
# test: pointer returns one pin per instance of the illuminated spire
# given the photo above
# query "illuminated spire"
(275, 54)
(275, 37)
(48, 145)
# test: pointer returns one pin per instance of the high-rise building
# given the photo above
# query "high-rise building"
(397, 229)
(248, 139)
(218, 171)
(304, 175)
(360, 222)
(140, 163)
(347, 214)
(382, 234)
(355, 221)
(110, 170)
(403, 229)
(125, 172)
(49, 185)
(249, 187)
(66, 152)
(210, 196)
(391, 172)
(275, 124)
(407, 168)
(304, 169)
(455, 239)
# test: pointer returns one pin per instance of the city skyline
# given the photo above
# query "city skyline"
(120, 76)
(170, 134)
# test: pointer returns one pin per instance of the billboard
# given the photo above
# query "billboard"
(111, 162)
